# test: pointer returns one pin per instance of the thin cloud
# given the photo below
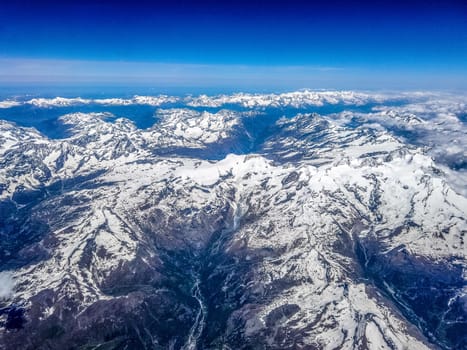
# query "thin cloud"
(14, 70)
(6, 285)
(51, 70)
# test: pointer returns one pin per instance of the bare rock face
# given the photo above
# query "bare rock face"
(226, 230)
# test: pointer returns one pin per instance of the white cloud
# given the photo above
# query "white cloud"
(6, 284)
(9, 104)
(427, 120)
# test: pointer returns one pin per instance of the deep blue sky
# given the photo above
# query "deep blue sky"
(341, 44)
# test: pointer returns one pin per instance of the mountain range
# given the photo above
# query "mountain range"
(301, 220)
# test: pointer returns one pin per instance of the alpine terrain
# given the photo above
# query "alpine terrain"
(301, 220)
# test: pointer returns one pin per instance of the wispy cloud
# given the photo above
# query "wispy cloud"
(15, 70)
(6, 284)
(52, 70)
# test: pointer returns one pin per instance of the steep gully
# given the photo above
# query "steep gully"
(197, 330)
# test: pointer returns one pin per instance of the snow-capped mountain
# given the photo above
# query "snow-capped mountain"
(236, 229)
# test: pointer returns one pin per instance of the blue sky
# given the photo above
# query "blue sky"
(257, 44)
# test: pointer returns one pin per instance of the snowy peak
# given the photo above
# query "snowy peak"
(197, 128)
